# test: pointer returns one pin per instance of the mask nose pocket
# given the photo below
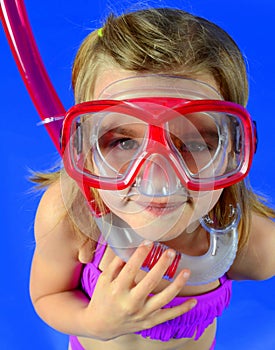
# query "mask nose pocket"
(157, 177)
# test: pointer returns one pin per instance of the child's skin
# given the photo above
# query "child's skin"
(120, 304)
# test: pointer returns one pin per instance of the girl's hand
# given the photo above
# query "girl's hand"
(121, 306)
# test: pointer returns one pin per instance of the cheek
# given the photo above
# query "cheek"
(205, 203)
(111, 200)
(201, 204)
(117, 202)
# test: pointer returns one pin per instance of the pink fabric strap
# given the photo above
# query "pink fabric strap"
(99, 252)
(75, 344)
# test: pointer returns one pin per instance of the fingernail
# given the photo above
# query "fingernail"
(171, 254)
(193, 304)
(186, 275)
(146, 243)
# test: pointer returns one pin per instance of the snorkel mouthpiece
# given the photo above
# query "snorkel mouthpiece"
(204, 268)
(210, 266)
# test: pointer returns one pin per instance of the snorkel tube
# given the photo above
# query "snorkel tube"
(25, 52)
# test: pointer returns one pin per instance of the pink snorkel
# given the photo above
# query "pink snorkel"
(22, 43)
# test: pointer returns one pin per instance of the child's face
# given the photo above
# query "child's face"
(156, 217)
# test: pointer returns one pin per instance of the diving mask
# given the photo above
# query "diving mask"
(168, 133)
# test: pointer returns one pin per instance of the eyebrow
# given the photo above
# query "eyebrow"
(121, 131)
(210, 132)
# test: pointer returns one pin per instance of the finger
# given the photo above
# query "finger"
(171, 313)
(169, 293)
(113, 269)
(132, 267)
(155, 275)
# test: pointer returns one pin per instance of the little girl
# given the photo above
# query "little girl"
(152, 164)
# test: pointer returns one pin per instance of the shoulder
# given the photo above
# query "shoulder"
(256, 260)
(56, 264)
(54, 229)
(51, 212)
(52, 225)
(51, 201)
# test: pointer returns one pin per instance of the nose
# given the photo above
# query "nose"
(157, 177)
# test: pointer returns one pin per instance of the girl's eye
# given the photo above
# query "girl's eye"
(125, 144)
(194, 147)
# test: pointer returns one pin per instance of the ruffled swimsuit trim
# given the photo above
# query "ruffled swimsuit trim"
(191, 324)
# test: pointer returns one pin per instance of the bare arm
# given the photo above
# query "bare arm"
(56, 268)
(256, 261)
(118, 306)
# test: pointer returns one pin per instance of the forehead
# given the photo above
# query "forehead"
(109, 78)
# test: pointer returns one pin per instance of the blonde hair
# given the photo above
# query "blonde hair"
(165, 40)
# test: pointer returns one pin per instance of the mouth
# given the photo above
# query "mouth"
(157, 208)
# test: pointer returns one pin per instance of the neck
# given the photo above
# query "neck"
(195, 243)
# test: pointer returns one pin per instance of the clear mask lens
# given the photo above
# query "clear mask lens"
(160, 153)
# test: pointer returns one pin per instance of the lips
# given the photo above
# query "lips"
(158, 208)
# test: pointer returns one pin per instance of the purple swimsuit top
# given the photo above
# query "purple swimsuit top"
(193, 323)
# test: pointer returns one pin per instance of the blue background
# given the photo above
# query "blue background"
(59, 27)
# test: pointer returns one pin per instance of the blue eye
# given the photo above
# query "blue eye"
(195, 147)
(125, 144)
